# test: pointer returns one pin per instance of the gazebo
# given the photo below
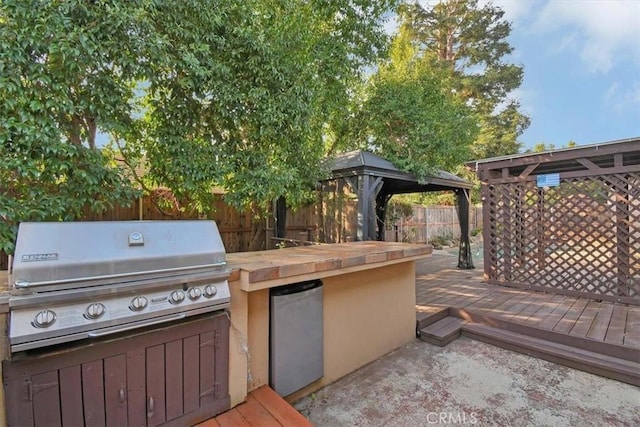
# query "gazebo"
(375, 180)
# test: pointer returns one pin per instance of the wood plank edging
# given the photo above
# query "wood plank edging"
(579, 342)
(424, 319)
(609, 367)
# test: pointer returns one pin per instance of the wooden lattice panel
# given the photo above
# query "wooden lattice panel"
(581, 237)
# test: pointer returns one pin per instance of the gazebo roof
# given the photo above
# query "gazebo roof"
(361, 162)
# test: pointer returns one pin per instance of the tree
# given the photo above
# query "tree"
(50, 100)
(265, 86)
(542, 147)
(203, 93)
(469, 41)
(408, 115)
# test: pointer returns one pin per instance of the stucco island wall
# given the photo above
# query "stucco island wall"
(368, 306)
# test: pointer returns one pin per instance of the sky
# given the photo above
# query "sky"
(581, 63)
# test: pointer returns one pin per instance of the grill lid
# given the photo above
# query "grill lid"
(77, 254)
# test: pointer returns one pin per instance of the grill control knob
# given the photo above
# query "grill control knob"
(194, 293)
(138, 303)
(95, 310)
(176, 297)
(210, 291)
(44, 319)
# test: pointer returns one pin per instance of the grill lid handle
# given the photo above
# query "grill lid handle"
(21, 283)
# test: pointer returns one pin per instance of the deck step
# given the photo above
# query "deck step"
(428, 315)
(443, 331)
(579, 342)
(597, 363)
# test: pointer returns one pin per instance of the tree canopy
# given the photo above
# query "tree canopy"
(51, 105)
(246, 95)
(469, 41)
(202, 93)
(408, 113)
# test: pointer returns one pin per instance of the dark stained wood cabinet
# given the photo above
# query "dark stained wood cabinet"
(176, 375)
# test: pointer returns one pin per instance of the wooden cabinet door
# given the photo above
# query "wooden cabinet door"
(115, 390)
(177, 375)
(44, 395)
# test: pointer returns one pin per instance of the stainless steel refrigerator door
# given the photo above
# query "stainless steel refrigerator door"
(296, 353)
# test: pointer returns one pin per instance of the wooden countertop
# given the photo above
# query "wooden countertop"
(265, 269)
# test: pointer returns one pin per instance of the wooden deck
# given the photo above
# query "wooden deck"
(604, 330)
(263, 408)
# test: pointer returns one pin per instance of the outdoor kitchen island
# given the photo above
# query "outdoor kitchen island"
(368, 310)
(368, 306)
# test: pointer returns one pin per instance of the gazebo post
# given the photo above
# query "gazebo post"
(464, 255)
(281, 217)
(368, 189)
(382, 200)
(363, 208)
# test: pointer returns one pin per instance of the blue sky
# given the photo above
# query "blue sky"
(581, 63)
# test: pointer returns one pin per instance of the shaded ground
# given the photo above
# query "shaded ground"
(473, 383)
(469, 382)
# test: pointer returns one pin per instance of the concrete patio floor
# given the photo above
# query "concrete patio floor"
(473, 383)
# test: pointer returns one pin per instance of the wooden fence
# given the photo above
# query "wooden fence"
(302, 225)
(332, 219)
(427, 223)
(333, 222)
(337, 213)
(235, 227)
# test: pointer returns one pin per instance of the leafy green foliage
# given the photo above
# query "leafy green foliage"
(264, 84)
(542, 147)
(199, 93)
(398, 208)
(469, 41)
(48, 170)
(410, 115)
(499, 132)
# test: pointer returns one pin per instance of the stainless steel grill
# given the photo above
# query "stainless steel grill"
(78, 280)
